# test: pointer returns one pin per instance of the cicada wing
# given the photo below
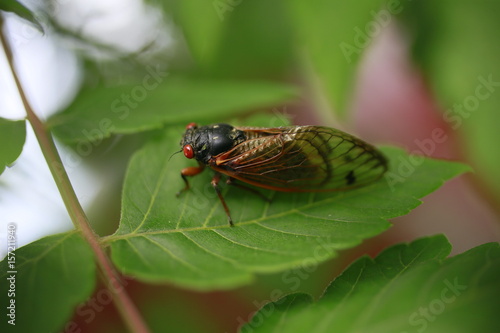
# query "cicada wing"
(302, 158)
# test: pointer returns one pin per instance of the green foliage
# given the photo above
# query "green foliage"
(12, 136)
(407, 288)
(201, 31)
(20, 10)
(334, 35)
(152, 103)
(188, 241)
(456, 44)
(52, 276)
(229, 36)
(330, 36)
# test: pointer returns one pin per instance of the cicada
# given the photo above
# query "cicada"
(289, 159)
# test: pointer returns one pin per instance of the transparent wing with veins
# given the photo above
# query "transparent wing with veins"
(301, 158)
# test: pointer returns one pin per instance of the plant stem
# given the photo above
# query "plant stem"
(110, 276)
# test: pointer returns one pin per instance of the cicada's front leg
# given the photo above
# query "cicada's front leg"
(189, 172)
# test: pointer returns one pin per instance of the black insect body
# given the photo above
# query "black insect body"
(290, 159)
(208, 141)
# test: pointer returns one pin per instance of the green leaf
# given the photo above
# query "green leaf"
(96, 114)
(12, 135)
(463, 71)
(335, 34)
(187, 240)
(226, 42)
(21, 11)
(250, 50)
(52, 276)
(277, 313)
(407, 288)
(202, 32)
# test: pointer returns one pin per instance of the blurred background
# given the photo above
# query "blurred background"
(390, 72)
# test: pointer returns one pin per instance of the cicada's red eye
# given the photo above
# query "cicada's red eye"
(191, 125)
(188, 151)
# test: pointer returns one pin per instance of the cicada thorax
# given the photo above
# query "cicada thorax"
(208, 141)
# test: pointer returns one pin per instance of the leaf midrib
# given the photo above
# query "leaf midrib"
(50, 248)
(298, 210)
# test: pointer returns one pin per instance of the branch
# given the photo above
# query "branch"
(110, 276)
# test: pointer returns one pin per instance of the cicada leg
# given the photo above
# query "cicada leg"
(215, 184)
(189, 172)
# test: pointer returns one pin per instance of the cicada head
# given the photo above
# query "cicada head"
(204, 142)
